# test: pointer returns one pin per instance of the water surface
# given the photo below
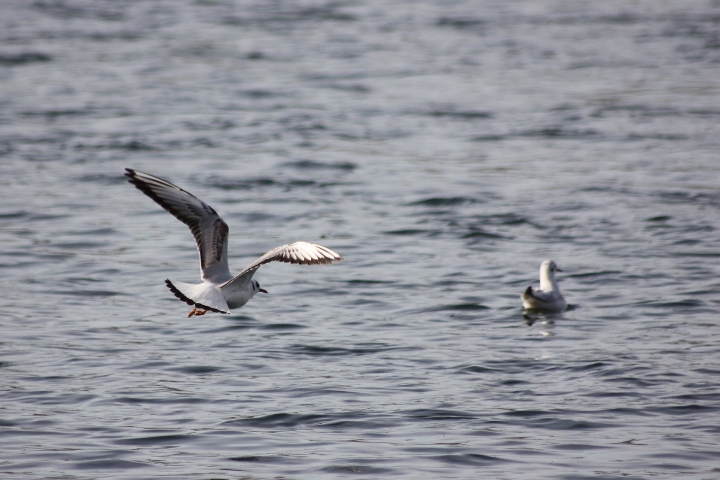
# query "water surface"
(445, 149)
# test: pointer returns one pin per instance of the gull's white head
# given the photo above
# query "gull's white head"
(547, 275)
(256, 287)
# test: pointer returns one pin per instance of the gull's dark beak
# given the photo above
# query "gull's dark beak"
(263, 290)
(558, 269)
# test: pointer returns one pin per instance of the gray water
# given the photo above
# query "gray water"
(444, 149)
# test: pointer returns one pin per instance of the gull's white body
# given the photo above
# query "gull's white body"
(547, 298)
(220, 291)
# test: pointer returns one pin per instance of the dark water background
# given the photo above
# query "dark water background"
(445, 149)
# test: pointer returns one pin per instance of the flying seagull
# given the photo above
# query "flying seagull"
(220, 291)
(547, 298)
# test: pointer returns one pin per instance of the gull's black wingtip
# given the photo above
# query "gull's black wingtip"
(185, 299)
(178, 293)
(129, 172)
(529, 291)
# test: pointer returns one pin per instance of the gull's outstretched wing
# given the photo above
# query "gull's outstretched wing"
(209, 230)
(302, 253)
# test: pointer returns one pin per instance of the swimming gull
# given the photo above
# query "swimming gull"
(547, 298)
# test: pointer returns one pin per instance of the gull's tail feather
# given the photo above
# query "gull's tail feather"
(204, 295)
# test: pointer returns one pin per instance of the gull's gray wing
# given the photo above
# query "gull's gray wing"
(302, 253)
(542, 295)
(542, 298)
(209, 230)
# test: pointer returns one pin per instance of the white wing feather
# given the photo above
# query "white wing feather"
(205, 295)
(302, 253)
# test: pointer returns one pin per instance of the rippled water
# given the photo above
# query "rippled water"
(445, 149)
